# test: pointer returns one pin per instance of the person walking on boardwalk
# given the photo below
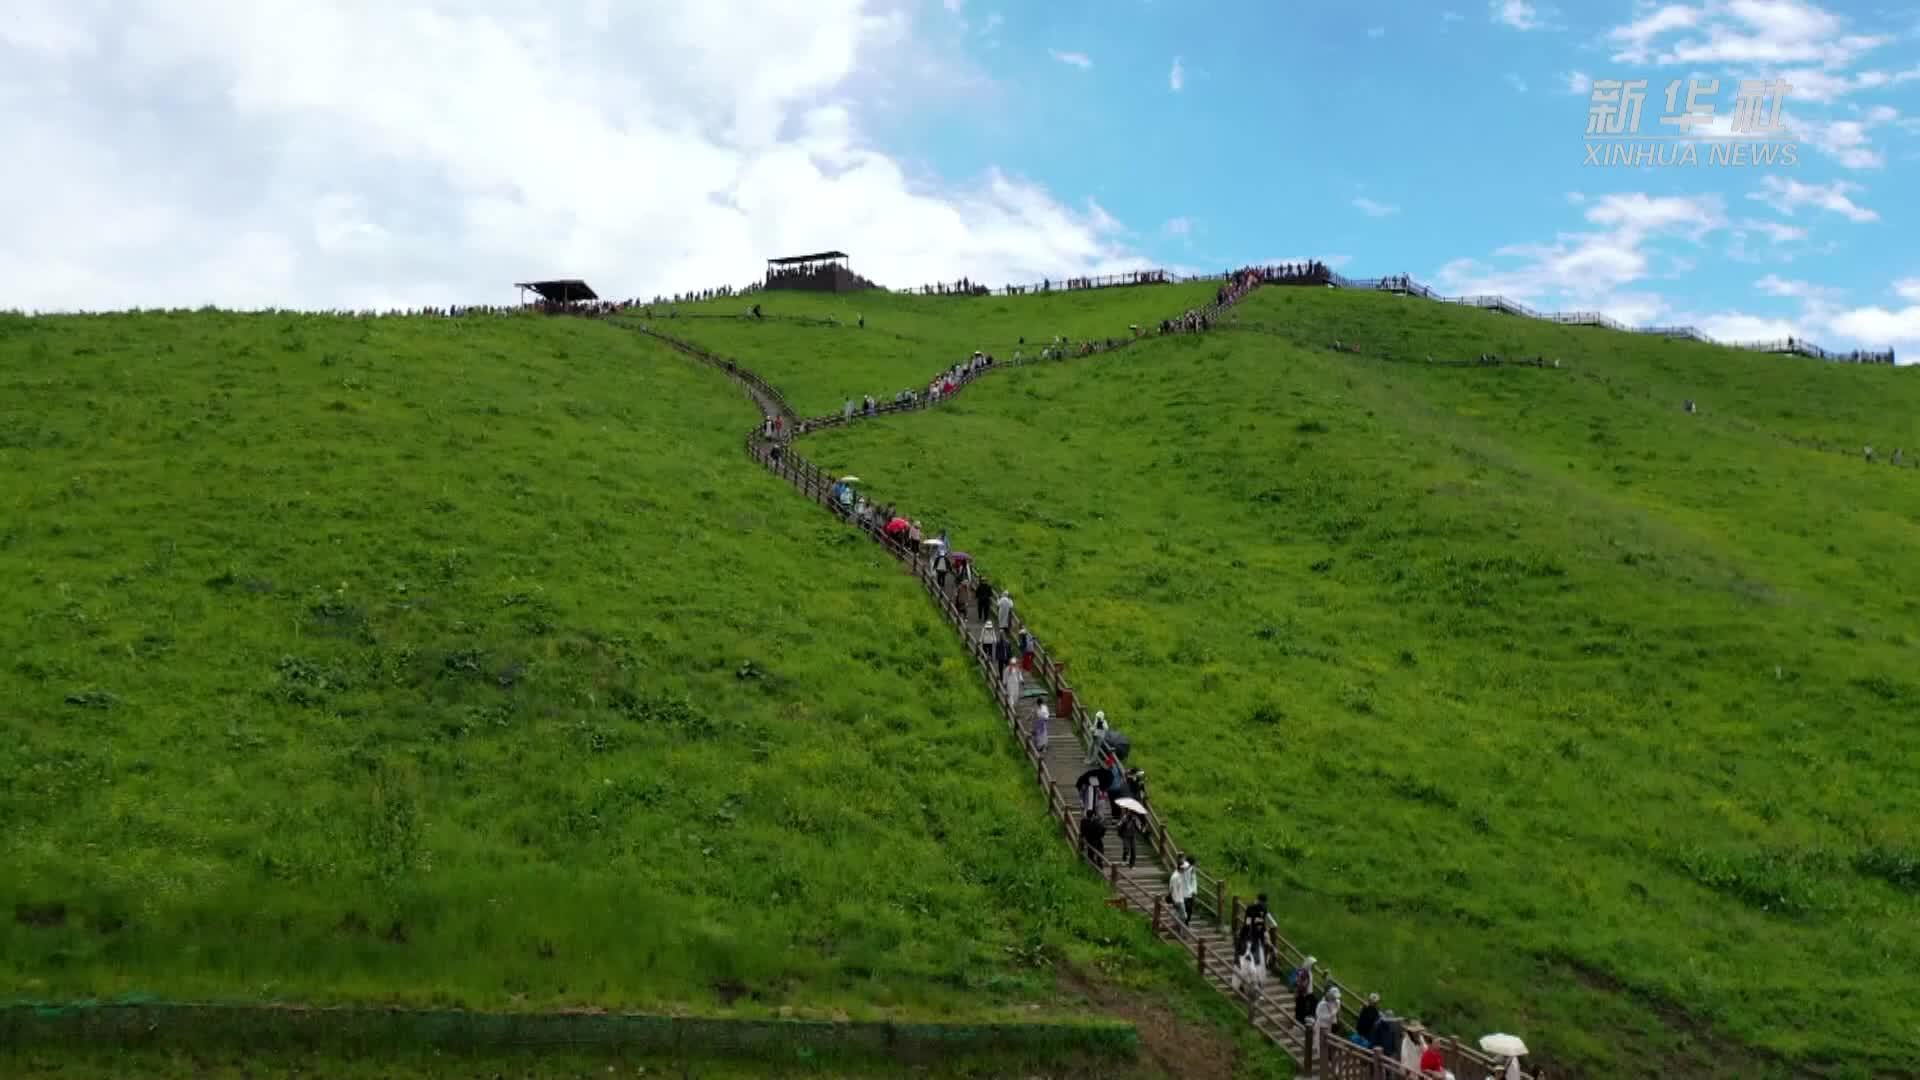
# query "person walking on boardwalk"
(1099, 735)
(1004, 606)
(1010, 682)
(846, 411)
(1087, 784)
(1129, 826)
(1326, 1021)
(1040, 719)
(1093, 836)
(1303, 990)
(983, 598)
(1003, 650)
(1026, 650)
(1182, 884)
(987, 636)
(1369, 1019)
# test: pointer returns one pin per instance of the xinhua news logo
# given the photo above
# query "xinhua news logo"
(1691, 133)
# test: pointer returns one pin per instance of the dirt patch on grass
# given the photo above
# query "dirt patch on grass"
(1169, 1044)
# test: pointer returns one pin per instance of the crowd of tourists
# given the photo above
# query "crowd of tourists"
(969, 287)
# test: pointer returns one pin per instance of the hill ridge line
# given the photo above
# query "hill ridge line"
(1210, 934)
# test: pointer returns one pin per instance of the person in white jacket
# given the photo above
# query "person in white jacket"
(1250, 975)
(1182, 885)
(1099, 729)
(1326, 1019)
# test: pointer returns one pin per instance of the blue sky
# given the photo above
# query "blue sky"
(1448, 142)
(371, 153)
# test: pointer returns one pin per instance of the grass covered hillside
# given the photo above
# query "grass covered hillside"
(1843, 407)
(907, 339)
(1538, 704)
(471, 662)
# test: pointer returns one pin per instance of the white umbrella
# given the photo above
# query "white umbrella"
(849, 479)
(1503, 1045)
(930, 541)
(1131, 804)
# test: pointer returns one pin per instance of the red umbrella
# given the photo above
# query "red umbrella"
(899, 525)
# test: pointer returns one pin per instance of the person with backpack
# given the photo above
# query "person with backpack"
(1303, 1002)
(1259, 922)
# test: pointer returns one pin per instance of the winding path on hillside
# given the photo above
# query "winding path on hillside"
(1142, 888)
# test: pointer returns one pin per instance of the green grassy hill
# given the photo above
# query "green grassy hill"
(472, 662)
(907, 339)
(1537, 703)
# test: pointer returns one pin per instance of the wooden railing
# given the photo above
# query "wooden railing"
(968, 287)
(1214, 898)
(1406, 285)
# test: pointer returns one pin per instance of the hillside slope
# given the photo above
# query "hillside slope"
(907, 339)
(1518, 687)
(470, 662)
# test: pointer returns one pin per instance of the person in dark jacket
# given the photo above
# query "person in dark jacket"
(1369, 1017)
(1088, 784)
(1129, 835)
(1093, 836)
(983, 598)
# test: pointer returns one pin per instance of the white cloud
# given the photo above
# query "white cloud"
(1516, 82)
(1787, 196)
(1374, 209)
(1638, 213)
(1579, 82)
(1770, 32)
(1731, 326)
(1376, 31)
(1633, 40)
(1518, 14)
(1825, 87)
(1878, 327)
(1776, 232)
(268, 152)
(1775, 285)
(1593, 270)
(45, 29)
(1179, 226)
(1907, 289)
(1076, 59)
(1176, 78)
(1846, 141)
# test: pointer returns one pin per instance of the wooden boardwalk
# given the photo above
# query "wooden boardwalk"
(1142, 888)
